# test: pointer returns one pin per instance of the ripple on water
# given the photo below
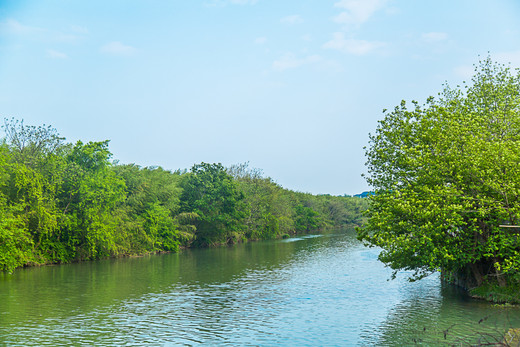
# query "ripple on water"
(326, 290)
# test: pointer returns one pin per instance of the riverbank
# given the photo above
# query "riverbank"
(496, 294)
(185, 247)
(62, 202)
(488, 291)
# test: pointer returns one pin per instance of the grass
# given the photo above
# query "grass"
(494, 293)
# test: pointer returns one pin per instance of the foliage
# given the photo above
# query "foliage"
(267, 206)
(307, 219)
(15, 242)
(210, 192)
(447, 180)
(495, 293)
(94, 192)
(62, 202)
(30, 144)
(152, 202)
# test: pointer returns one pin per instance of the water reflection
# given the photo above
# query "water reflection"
(325, 290)
(431, 313)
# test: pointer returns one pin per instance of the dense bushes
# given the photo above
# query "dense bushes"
(62, 202)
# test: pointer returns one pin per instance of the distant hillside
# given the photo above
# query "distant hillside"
(363, 195)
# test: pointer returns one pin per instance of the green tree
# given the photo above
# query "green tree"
(33, 169)
(150, 208)
(29, 144)
(210, 192)
(16, 246)
(268, 208)
(90, 194)
(307, 219)
(61, 202)
(447, 181)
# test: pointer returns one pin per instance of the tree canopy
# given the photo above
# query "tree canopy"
(63, 202)
(447, 181)
(210, 192)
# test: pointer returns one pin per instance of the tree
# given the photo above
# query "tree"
(307, 219)
(447, 181)
(210, 192)
(31, 144)
(32, 170)
(268, 207)
(15, 241)
(150, 208)
(89, 196)
(61, 202)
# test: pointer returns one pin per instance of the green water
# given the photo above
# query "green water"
(321, 290)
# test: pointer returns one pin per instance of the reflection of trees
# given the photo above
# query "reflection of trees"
(447, 317)
(214, 285)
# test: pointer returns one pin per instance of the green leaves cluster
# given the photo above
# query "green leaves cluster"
(210, 193)
(272, 211)
(447, 181)
(62, 202)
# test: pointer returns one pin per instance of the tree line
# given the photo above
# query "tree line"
(62, 202)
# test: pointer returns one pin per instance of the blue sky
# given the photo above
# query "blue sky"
(293, 87)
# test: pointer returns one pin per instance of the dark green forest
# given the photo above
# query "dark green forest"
(62, 202)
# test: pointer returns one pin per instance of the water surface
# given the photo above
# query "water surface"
(317, 290)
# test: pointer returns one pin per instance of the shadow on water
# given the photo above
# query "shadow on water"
(311, 290)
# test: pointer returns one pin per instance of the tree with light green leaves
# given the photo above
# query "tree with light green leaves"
(63, 202)
(446, 177)
(210, 193)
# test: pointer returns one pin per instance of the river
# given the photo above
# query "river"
(315, 290)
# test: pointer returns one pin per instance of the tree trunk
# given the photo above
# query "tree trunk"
(502, 282)
(476, 269)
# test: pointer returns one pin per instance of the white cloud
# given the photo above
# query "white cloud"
(11, 26)
(118, 48)
(357, 11)
(434, 37)
(293, 19)
(290, 61)
(352, 46)
(51, 53)
(260, 40)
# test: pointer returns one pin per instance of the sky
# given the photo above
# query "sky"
(292, 87)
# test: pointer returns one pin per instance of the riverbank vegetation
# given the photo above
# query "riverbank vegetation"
(447, 185)
(63, 202)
